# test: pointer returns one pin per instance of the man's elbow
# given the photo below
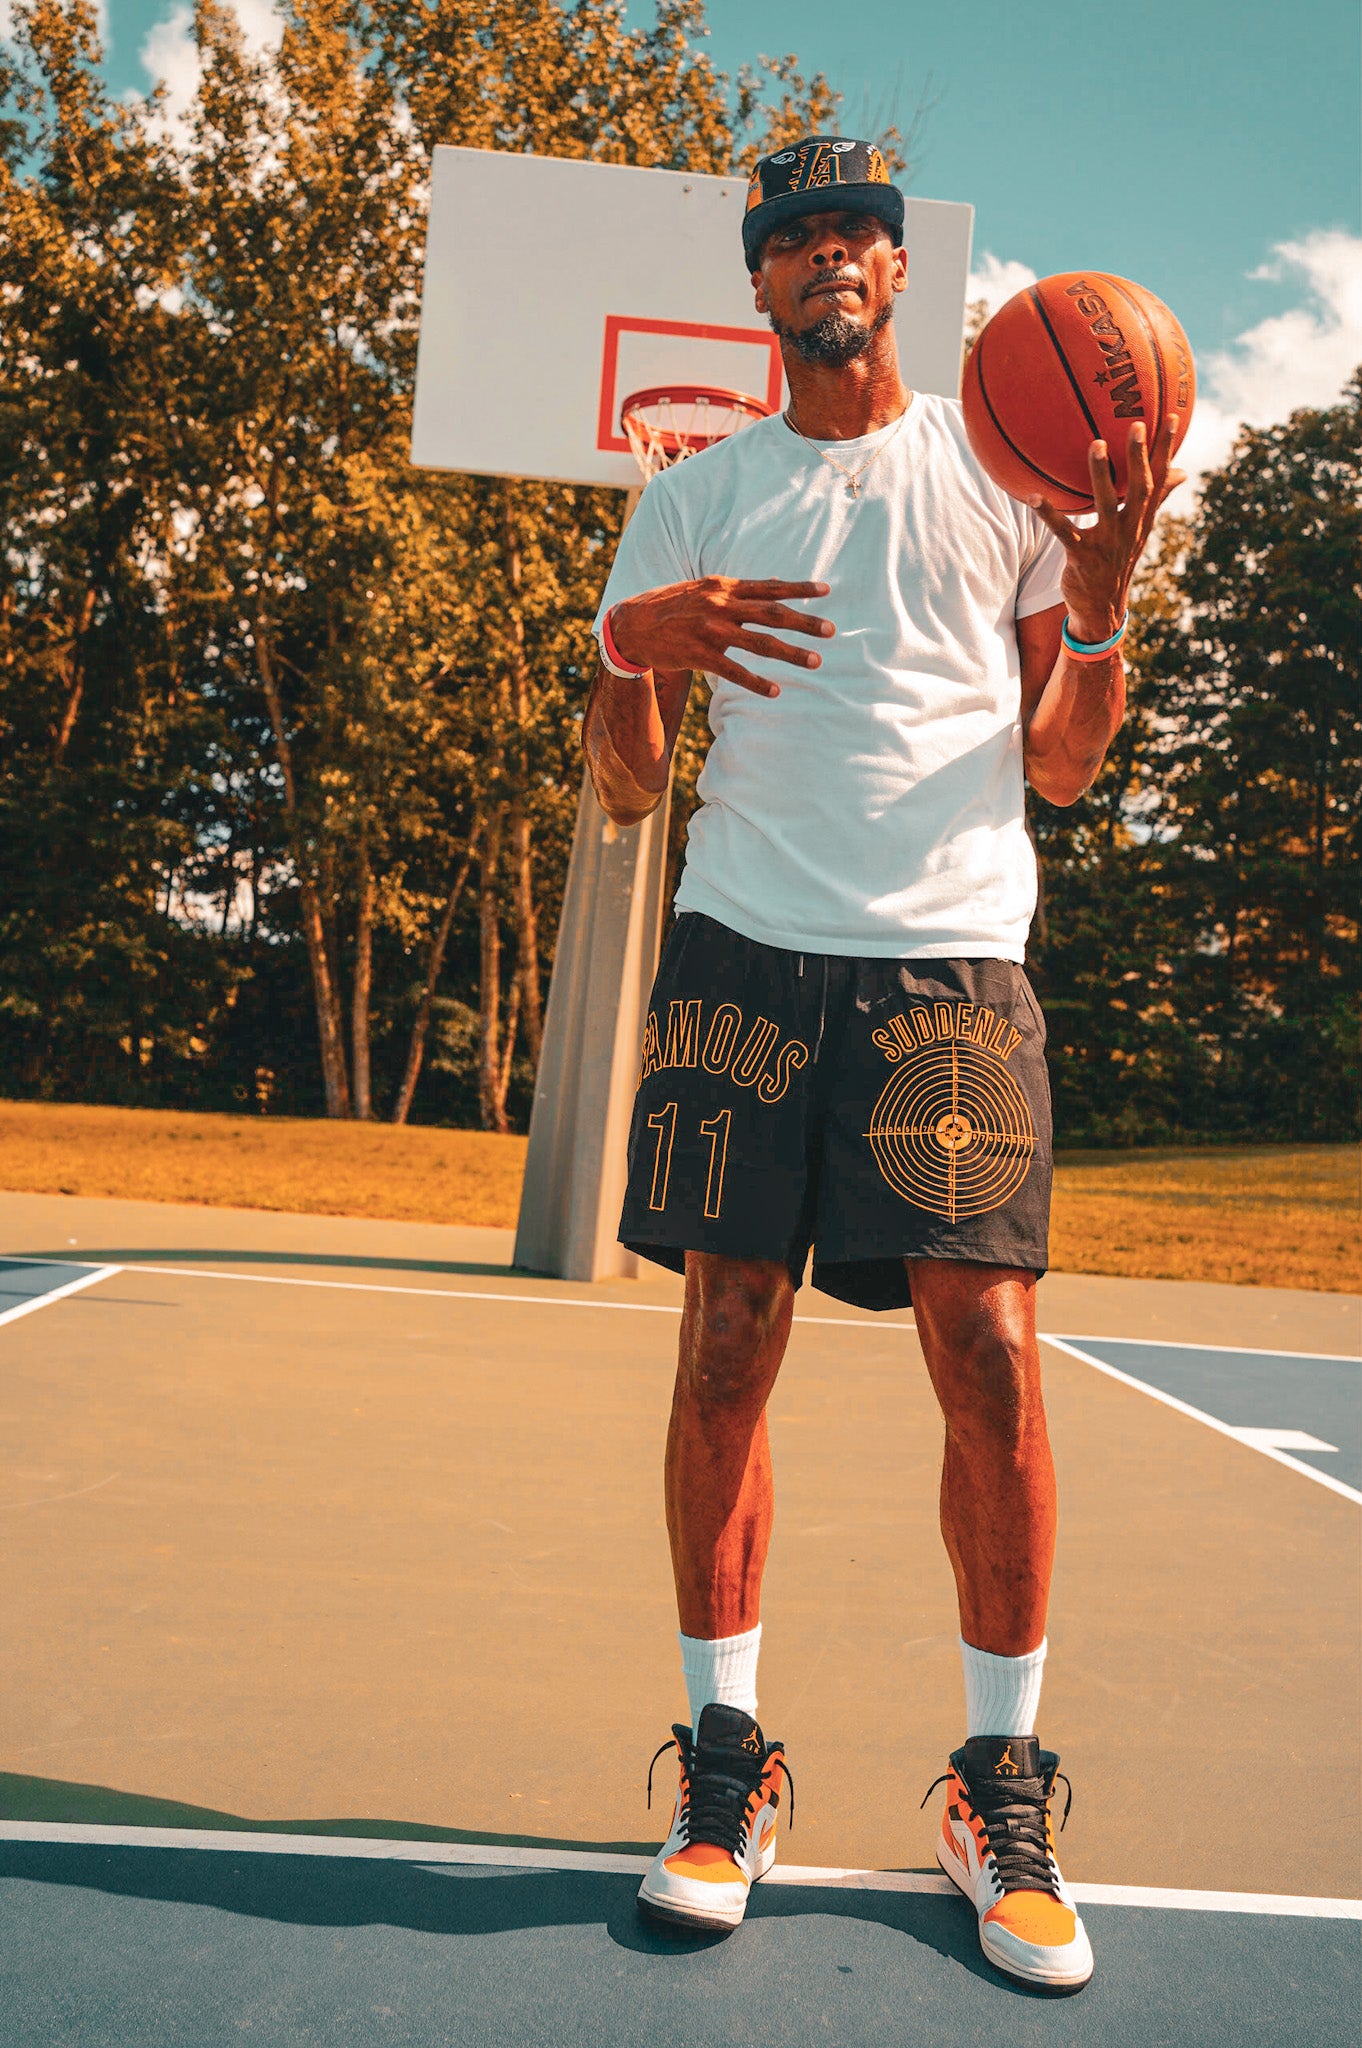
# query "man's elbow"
(623, 807)
(1061, 784)
(625, 814)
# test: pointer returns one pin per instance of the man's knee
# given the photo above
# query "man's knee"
(987, 1377)
(736, 1322)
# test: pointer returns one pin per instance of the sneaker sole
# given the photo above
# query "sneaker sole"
(668, 1914)
(1038, 1980)
(676, 1919)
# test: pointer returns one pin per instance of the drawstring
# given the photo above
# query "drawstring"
(822, 1012)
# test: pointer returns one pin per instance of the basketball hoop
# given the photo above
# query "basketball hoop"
(672, 421)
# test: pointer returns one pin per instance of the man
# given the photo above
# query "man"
(843, 1052)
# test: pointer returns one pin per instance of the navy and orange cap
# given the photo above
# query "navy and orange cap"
(821, 174)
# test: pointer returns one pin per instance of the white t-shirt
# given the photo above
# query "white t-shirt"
(875, 807)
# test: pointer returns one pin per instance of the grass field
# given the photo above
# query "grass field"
(1266, 1216)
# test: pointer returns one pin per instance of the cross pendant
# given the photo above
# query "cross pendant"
(853, 490)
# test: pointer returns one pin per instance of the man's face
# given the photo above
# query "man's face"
(827, 283)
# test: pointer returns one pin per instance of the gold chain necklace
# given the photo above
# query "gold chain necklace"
(851, 475)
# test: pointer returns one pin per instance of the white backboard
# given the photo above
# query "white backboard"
(553, 288)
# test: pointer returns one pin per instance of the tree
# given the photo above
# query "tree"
(1200, 961)
(99, 735)
(285, 699)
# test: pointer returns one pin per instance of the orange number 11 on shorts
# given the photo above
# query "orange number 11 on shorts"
(716, 1129)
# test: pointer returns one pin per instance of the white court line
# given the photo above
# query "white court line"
(1211, 1421)
(636, 1308)
(1239, 1350)
(367, 1848)
(27, 1308)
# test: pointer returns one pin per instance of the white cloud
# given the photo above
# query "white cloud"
(170, 56)
(995, 281)
(1303, 356)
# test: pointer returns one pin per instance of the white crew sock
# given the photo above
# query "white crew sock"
(1002, 1694)
(724, 1669)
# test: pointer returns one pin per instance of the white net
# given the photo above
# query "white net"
(666, 425)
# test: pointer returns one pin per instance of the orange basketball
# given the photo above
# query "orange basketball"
(1072, 360)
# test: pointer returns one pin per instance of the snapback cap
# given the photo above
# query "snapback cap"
(821, 174)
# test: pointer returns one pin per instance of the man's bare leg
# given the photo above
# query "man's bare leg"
(977, 1327)
(978, 1330)
(734, 1330)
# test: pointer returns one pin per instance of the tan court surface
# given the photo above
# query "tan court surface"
(396, 1560)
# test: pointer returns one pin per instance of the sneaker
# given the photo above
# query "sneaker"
(997, 1844)
(723, 1832)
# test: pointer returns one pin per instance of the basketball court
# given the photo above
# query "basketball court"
(341, 1633)
(340, 1620)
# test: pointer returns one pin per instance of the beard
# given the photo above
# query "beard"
(835, 340)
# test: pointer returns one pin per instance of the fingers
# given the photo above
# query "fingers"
(1056, 521)
(733, 673)
(1100, 476)
(1171, 483)
(781, 615)
(774, 650)
(1139, 479)
(772, 586)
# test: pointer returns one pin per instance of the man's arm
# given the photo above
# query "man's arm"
(629, 735)
(1072, 710)
(631, 724)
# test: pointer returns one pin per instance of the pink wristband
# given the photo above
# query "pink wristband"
(614, 660)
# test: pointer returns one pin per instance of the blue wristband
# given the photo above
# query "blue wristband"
(1093, 648)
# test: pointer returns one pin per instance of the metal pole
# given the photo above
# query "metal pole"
(603, 967)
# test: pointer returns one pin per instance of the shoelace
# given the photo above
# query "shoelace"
(719, 1787)
(1013, 1813)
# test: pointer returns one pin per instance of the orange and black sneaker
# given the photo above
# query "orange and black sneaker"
(997, 1844)
(723, 1831)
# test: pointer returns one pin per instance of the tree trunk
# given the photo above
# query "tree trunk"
(363, 981)
(73, 675)
(416, 1050)
(492, 1108)
(325, 989)
(527, 931)
(507, 1054)
(326, 997)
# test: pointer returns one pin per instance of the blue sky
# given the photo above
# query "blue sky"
(1174, 141)
(1179, 142)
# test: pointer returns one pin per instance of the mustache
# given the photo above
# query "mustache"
(831, 277)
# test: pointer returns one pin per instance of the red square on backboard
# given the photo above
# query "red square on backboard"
(765, 380)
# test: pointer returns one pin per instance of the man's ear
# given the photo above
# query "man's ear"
(900, 269)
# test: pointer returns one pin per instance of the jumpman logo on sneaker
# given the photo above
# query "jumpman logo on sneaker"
(1005, 1768)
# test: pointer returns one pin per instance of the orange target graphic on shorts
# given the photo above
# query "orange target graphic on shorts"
(952, 1132)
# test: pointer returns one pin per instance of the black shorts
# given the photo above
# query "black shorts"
(876, 1110)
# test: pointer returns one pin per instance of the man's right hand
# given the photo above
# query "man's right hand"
(693, 626)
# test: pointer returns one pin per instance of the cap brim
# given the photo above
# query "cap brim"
(884, 201)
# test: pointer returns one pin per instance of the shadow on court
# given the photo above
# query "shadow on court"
(190, 1255)
(197, 1947)
(66, 1802)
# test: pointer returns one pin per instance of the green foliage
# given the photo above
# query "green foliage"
(290, 730)
(1199, 952)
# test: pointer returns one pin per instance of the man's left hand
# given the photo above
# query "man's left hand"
(1101, 559)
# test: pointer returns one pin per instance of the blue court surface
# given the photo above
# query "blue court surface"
(1304, 1407)
(205, 1947)
(151, 1397)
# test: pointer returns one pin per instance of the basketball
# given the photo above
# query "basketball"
(1071, 360)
